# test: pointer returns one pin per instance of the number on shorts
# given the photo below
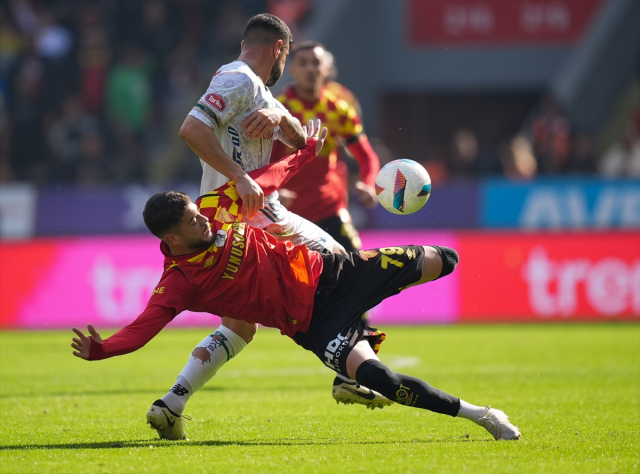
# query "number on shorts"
(385, 260)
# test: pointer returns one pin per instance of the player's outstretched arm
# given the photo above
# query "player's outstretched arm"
(272, 176)
(82, 343)
(128, 339)
(204, 143)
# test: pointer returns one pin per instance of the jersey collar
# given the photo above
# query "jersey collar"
(253, 70)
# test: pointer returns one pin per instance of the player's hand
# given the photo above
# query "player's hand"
(82, 343)
(251, 194)
(367, 194)
(286, 196)
(313, 131)
(261, 122)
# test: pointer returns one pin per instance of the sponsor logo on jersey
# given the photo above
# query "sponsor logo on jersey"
(216, 101)
(224, 216)
(210, 261)
(158, 291)
(367, 254)
(236, 255)
(333, 351)
(235, 139)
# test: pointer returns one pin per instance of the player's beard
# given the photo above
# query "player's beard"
(202, 242)
(276, 73)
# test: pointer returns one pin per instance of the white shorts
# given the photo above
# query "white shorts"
(284, 225)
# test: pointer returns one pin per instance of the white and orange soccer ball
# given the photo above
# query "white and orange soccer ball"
(403, 186)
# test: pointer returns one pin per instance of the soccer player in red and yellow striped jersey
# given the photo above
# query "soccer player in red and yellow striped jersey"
(241, 271)
(320, 186)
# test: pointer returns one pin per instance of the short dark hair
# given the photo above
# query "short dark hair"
(164, 210)
(308, 44)
(265, 28)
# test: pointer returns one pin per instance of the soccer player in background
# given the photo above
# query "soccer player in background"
(317, 299)
(319, 192)
(232, 129)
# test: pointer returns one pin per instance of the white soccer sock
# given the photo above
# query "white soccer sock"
(223, 345)
(470, 412)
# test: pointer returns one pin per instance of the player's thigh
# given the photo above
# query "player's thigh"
(431, 266)
(379, 273)
(359, 354)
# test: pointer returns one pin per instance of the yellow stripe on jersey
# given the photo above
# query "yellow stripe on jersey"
(198, 258)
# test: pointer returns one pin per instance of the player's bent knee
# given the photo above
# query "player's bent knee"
(450, 259)
(375, 375)
(202, 354)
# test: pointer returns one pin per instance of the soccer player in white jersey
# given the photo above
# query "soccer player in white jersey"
(232, 129)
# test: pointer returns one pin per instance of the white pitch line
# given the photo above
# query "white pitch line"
(393, 361)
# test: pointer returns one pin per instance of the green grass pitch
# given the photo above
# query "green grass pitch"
(574, 391)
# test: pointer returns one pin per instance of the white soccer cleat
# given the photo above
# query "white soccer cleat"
(497, 423)
(168, 424)
(350, 393)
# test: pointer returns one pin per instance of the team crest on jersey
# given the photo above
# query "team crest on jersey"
(225, 216)
(216, 101)
(367, 254)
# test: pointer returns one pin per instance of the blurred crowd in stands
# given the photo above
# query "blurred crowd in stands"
(546, 145)
(94, 92)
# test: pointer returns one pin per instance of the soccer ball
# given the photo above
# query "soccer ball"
(403, 186)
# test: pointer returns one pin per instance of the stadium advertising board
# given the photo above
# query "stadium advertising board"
(17, 210)
(59, 283)
(461, 196)
(65, 211)
(542, 277)
(473, 23)
(560, 204)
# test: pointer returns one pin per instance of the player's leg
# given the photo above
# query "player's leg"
(364, 366)
(437, 262)
(165, 415)
(285, 225)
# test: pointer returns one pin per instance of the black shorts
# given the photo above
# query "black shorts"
(350, 285)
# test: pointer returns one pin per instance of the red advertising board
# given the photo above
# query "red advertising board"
(107, 281)
(481, 22)
(515, 276)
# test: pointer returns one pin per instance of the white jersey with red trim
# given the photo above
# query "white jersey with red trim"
(235, 92)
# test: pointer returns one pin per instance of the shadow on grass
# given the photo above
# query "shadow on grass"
(159, 444)
(97, 393)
